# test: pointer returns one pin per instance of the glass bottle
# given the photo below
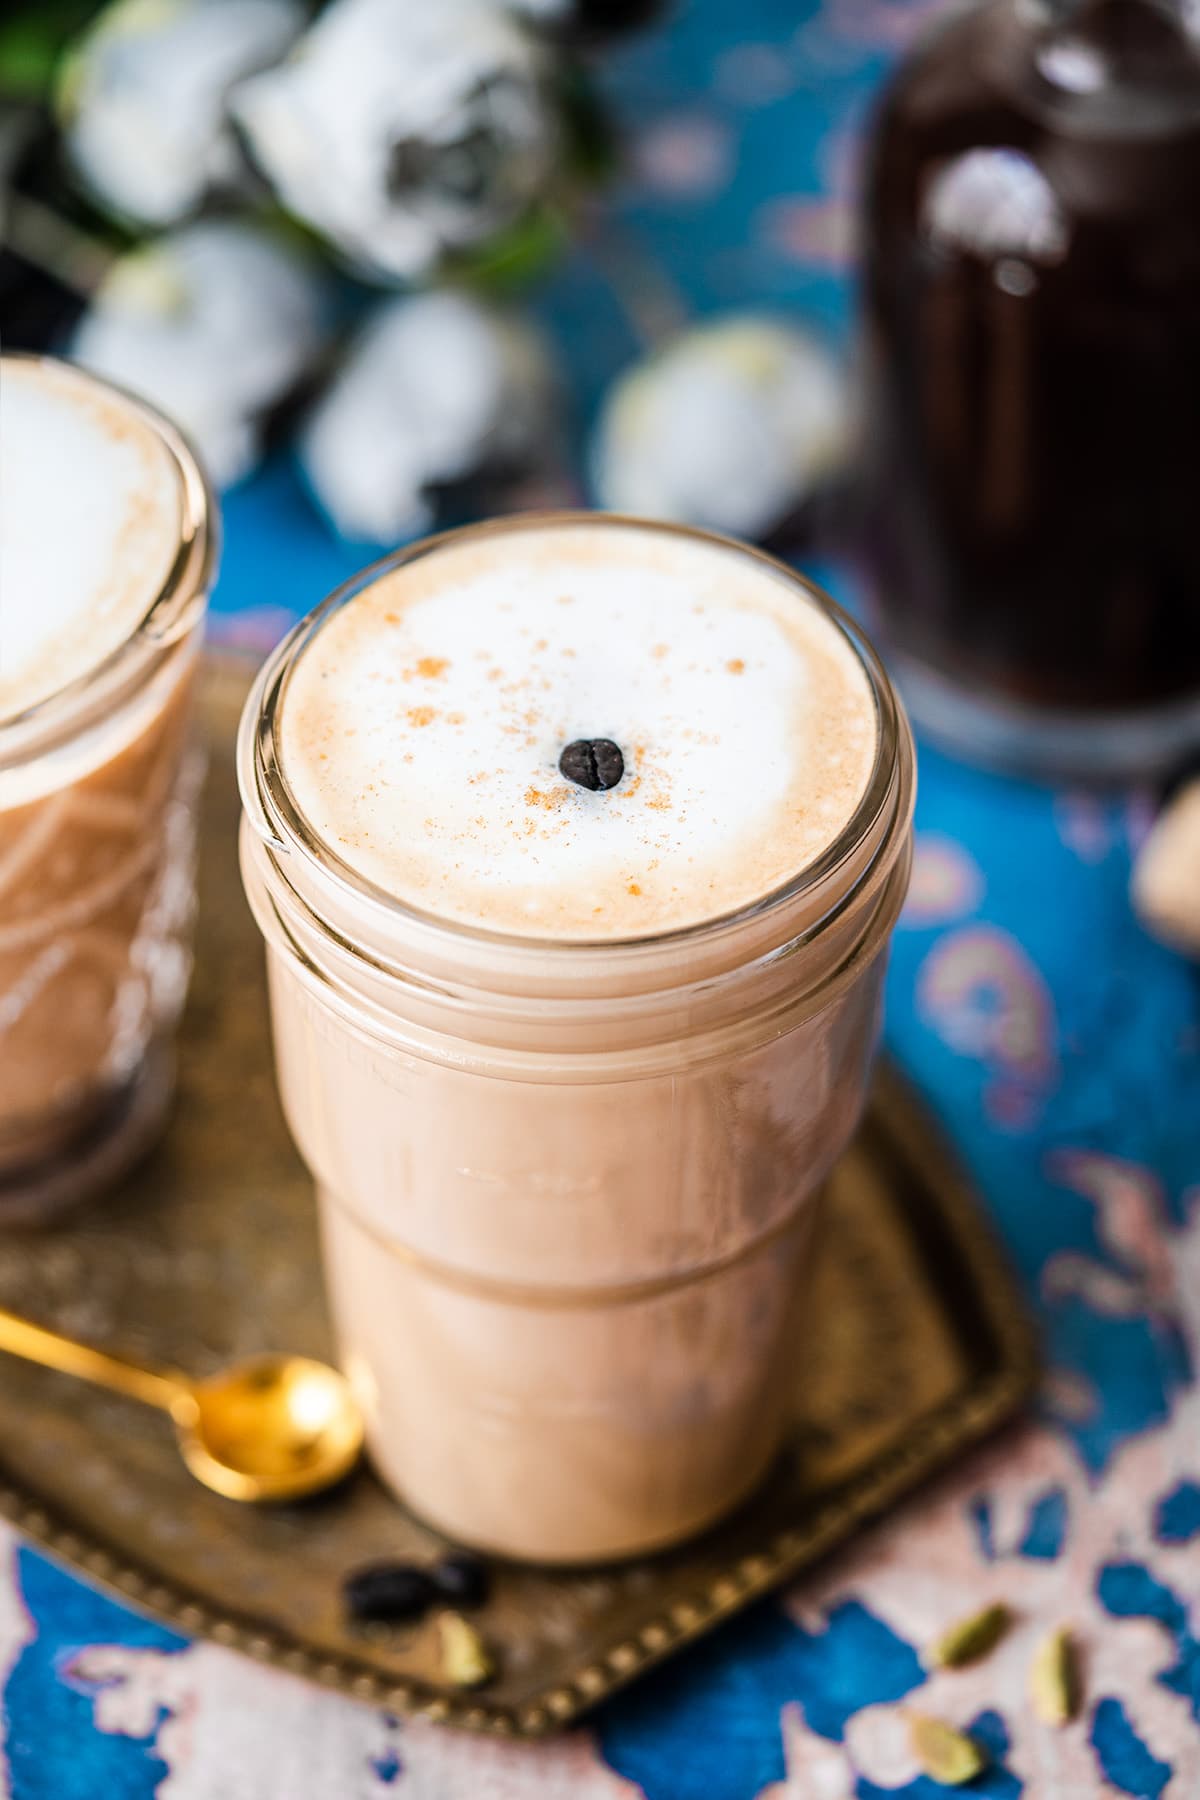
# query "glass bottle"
(1031, 306)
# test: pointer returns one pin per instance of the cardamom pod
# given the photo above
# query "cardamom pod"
(944, 1753)
(466, 1660)
(969, 1639)
(1054, 1678)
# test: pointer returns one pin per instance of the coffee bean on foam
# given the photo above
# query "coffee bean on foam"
(422, 730)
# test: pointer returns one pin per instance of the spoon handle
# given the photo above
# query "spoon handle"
(37, 1344)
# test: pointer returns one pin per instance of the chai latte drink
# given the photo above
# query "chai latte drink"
(106, 551)
(576, 843)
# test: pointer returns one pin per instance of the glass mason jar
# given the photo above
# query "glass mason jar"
(1031, 314)
(567, 1191)
(98, 783)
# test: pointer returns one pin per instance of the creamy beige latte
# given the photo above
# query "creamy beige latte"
(576, 844)
(424, 727)
(102, 528)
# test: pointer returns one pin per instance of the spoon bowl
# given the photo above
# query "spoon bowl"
(269, 1428)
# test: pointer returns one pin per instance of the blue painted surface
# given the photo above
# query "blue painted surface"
(1123, 1757)
(1130, 1591)
(53, 1749)
(720, 1694)
(1048, 1522)
(1177, 1519)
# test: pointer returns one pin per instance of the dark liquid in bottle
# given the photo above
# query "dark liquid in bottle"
(1032, 322)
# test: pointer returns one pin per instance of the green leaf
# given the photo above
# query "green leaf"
(590, 132)
(31, 41)
(516, 257)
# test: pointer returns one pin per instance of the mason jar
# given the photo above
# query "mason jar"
(98, 782)
(567, 1190)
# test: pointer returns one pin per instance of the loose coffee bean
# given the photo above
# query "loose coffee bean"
(593, 763)
(463, 1578)
(389, 1591)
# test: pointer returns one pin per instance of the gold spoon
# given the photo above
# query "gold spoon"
(269, 1428)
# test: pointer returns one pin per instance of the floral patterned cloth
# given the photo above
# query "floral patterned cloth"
(1061, 1047)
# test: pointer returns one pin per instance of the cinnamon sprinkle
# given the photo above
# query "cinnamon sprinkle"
(552, 799)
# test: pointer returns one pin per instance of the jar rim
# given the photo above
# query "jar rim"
(168, 617)
(279, 821)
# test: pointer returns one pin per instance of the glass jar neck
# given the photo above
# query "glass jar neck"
(1121, 68)
(580, 1012)
(365, 942)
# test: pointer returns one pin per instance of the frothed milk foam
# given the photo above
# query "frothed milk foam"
(98, 504)
(567, 1106)
(422, 730)
(89, 526)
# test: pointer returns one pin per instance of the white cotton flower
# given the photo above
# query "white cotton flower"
(730, 427)
(143, 98)
(213, 324)
(439, 388)
(402, 131)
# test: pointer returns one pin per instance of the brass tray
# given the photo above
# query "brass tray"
(919, 1347)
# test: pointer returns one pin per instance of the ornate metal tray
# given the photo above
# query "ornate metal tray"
(919, 1348)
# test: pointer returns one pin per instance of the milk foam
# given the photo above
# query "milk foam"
(90, 509)
(421, 728)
